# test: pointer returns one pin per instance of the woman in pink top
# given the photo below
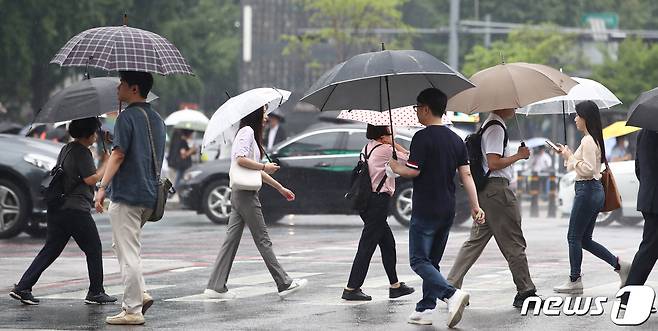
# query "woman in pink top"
(376, 230)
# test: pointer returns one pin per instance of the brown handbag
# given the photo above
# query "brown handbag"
(612, 197)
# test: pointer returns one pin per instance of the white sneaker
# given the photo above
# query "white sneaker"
(295, 286)
(456, 304)
(421, 317)
(212, 294)
(570, 287)
(624, 269)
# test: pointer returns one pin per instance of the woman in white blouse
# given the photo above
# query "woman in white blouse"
(247, 151)
(588, 202)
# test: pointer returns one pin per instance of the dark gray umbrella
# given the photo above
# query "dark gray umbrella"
(362, 81)
(643, 113)
(383, 81)
(86, 98)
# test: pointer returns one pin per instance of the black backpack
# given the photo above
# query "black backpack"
(52, 187)
(360, 182)
(475, 157)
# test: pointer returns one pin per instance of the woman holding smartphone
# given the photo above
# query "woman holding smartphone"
(588, 202)
(247, 152)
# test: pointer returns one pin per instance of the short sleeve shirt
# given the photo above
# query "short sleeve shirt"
(436, 152)
(245, 145)
(78, 165)
(492, 143)
(136, 183)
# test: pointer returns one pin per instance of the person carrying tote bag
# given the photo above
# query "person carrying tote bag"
(246, 176)
(590, 197)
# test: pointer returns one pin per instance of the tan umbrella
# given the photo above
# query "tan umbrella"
(510, 86)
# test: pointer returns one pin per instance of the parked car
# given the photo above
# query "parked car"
(627, 184)
(23, 165)
(315, 164)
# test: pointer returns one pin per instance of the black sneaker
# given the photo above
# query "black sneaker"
(400, 291)
(24, 296)
(520, 298)
(355, 295)
(99, 299)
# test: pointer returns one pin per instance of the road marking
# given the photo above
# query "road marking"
(377, 282)
(187, 269)
(111, 290)
(240, 292)
(265, 278)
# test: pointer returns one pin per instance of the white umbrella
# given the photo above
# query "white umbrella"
(187, 119)
(239, 106)
(403, 116)
(586, 89)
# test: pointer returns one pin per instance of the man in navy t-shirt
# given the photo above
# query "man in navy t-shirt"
(436, 155)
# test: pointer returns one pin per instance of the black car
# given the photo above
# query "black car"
(315, 164)
(23, 165)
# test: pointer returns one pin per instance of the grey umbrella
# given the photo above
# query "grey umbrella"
(86, 98)
(643, 113)
(382, 81)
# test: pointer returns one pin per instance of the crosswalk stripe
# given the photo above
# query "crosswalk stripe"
(376, 282)
(241, 293)
(111, 290)
(266, 278)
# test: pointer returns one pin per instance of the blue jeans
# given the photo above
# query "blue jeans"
(586, 206)
(427, 242)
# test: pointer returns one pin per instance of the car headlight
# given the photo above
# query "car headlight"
(40, 161)
(191, 174)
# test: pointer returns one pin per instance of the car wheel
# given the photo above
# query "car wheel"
(216, 201)
(402, 203)
(13, 209)
(605, 218)
(630, 221)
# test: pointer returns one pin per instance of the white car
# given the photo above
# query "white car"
(627, 184)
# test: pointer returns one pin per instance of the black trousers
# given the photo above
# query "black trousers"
(375, 232)
(647, 254)
(62, 225)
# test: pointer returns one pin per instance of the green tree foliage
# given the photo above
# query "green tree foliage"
(543, 46)
(634, 71)
(348, 26)
(32, 31)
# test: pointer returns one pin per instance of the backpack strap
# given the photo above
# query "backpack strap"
(367, 156)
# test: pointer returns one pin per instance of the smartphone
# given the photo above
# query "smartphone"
(553, 145)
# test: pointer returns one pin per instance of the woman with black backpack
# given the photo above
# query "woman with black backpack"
(70, 216)
(376, 231)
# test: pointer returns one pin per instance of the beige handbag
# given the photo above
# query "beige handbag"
(245, 179)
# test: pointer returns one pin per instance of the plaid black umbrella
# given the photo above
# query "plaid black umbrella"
(117, 48)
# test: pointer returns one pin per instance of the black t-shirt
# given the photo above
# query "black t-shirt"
(79, 164)
(437, 152)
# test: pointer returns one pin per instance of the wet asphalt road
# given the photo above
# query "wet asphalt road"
(178, 251)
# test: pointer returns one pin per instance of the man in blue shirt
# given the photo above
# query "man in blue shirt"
(436, 155)
(131, 177)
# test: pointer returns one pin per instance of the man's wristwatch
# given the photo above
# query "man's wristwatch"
(99, 186)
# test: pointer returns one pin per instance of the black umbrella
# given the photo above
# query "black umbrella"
(643, 113)
(382, 81)
(86, 98)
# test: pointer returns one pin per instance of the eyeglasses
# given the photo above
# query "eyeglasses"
(416, 107)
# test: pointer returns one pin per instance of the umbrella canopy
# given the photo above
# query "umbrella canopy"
(363, 81)
(239, 106)
(86, 98)
(187, 119)
(643, 112)
(618, 129)
(405, 116)
(586, 89)
(116, 48)
(511, 86)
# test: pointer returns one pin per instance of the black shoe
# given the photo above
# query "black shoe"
(24, 296)
(400, 291)
(520, 298)
(99, 299)
(355, 295)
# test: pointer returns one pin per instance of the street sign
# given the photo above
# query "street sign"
(611, 19)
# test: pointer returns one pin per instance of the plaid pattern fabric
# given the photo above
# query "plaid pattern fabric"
(118, 48)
